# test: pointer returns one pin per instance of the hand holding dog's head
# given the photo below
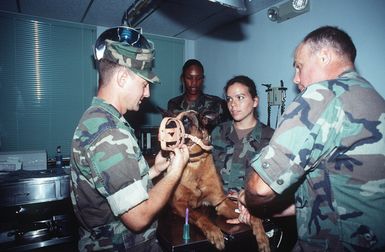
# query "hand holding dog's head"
(185, 128)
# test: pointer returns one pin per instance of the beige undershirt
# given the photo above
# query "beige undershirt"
(241, 133)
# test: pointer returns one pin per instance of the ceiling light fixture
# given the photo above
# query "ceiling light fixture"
(288, 10)
(133, 12)
(236, 4)
(272, 14)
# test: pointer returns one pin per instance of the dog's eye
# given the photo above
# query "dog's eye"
(185, 121)
(187, 124)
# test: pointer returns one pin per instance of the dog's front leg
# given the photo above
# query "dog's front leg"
(259, 233)
(227, 208)
(211, 231)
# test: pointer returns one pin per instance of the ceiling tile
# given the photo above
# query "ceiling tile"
(69, 10)
(8, 6)
(188, 19)
(108, 13)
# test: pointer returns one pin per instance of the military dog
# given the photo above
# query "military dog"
(201, 185)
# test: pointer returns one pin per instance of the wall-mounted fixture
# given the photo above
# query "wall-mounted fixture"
(287, 10)
(134, 12)
(236, 4)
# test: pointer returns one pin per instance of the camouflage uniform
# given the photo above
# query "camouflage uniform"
(330, 140)
(109, 177)
(204, 102)
(232, 156)
(232, 159)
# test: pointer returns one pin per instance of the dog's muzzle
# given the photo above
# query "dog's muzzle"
(172, 134)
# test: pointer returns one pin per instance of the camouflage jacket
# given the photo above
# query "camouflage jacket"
(330, 141)
(204, 102)
(108, 177)
(232, 156)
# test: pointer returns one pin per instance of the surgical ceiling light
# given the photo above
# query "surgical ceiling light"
(288, 10)
(236, 4)
(135, 11)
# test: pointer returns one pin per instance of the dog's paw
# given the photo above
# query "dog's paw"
(260, 235)
(215, 236)
(227, 208)
(263, 244)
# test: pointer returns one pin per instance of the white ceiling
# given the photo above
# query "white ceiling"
(188, 19)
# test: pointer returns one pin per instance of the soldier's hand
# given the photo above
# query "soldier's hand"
(179, 158)
(241, 197)
(244, 215)
(161, 163)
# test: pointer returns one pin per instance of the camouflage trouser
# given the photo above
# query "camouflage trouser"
(148, 246)
(113, 238)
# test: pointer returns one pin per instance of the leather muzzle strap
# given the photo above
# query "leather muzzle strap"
(220, 202)
(199, 142)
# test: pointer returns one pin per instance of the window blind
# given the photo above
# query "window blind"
(47, 80)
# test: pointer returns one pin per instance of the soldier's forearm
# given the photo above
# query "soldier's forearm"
(257, 192)
(253, 200)
(290, 211)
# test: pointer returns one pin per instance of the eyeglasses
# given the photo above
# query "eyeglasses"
(123, 34)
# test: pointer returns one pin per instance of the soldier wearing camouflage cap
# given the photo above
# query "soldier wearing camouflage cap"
(330, 146)
(111, 189)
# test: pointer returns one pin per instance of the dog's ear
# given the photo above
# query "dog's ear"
(165, 113)
(209, 119)
(209, 115)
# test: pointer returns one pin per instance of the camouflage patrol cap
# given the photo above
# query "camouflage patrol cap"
(128, 47)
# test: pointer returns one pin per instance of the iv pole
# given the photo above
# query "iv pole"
(276, 96)
(268, 90)
(283, 97)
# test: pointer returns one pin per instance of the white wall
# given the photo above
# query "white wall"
(265, 53)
